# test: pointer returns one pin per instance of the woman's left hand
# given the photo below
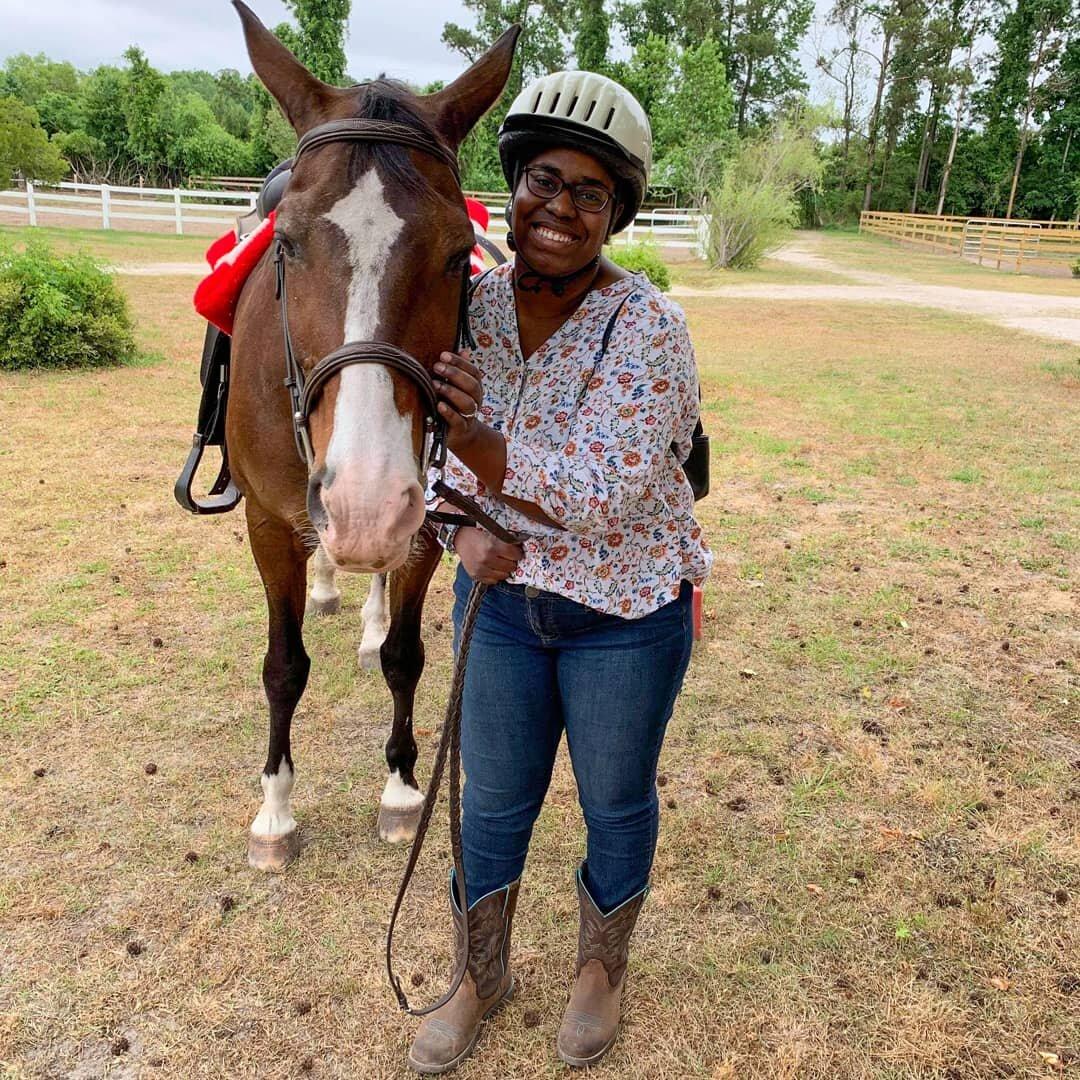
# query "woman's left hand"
(457, 382)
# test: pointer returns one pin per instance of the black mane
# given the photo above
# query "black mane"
(391, 101)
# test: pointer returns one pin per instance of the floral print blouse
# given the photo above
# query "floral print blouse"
(589, 439)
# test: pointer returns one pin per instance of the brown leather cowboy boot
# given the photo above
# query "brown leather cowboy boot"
(447, 1036)
(591, 1021)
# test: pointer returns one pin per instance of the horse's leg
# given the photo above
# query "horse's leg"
(375, 625)
(282, 562)
(402, 665)
(325, 598)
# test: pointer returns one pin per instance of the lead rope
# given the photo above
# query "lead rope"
(449, 747)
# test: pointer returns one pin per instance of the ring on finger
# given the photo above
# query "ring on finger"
(470, 415)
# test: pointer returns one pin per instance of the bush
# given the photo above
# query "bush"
(642, 258)
(756, 204)
(1076, 268)
(60, 311)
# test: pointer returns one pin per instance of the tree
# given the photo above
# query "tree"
(25, 149)
(144, 89)
(758, 40)
(695, 123)
(30, 78)
(321, 40)
(593, 36)
(1049, 18)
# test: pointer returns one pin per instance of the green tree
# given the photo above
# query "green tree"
(103, 105)
(321, 44)
(30, 78)
(593, 36)
(144, 90)
(695, 123)
(25, 149)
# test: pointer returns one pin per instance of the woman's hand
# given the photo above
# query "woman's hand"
(461, 393)
(484, 557)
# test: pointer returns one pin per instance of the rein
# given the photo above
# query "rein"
(304, 390)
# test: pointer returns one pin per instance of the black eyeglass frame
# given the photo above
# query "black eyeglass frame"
(565, 186)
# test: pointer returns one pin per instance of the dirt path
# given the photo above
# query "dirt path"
(1049, 316)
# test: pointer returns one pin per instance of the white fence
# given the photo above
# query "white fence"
(182, 208)
(107, 204)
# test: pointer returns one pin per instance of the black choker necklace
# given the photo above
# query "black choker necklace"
(533, 281)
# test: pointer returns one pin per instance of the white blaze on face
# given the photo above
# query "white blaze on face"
(371, 440)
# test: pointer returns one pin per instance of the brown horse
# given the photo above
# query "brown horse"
(375, 240)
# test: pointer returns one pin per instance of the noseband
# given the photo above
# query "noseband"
(304, 389)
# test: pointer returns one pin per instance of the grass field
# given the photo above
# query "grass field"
(869, 863)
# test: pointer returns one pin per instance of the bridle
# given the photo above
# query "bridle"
(304, 389)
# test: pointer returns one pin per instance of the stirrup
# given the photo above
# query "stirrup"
(223, 496)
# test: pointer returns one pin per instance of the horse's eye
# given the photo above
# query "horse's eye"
(456, 263)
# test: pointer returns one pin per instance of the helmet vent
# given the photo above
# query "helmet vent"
(573, 106)
(592, 109)
(555, 104)
(536, 103)
(610, 117)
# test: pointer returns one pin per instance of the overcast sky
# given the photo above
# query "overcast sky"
(398, 37)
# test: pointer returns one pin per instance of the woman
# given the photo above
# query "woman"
(573, 441)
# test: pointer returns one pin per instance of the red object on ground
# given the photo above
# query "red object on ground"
(699, 627)
(232, 260)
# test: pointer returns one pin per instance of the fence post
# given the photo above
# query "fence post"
(105, 222)
(31, 206)
(179, 212)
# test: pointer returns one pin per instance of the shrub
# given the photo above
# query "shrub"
(1076, 268)
(60, 311)
(642, 258)
(756, 203)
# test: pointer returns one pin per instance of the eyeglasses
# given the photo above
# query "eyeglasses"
(592, 198)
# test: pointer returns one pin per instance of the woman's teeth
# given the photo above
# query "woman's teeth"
(555, 237)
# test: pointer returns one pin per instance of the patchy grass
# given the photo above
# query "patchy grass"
(118, 247)
(868, 864)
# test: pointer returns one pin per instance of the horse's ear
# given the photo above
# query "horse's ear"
(456, 108)
(302, 97)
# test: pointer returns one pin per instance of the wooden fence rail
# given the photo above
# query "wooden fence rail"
(1005, 243)
(186, 208)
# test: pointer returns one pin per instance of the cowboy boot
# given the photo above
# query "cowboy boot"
(591, 1021)
(447, 1036)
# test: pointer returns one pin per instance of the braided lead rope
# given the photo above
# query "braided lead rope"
(449, 747)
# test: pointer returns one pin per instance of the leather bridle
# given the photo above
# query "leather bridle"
(305, 388)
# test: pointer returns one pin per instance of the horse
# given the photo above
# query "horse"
(372, 248)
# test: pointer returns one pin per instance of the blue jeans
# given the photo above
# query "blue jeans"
(540, 663)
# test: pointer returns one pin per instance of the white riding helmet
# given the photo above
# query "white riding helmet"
(587, 112)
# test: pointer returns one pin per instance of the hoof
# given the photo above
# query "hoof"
(398, 826)
(370, 659)
(272, 854)
(323, 607)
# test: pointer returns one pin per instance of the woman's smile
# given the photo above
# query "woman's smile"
(552, 234)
